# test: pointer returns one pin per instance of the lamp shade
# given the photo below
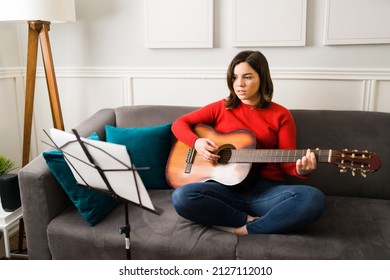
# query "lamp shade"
(32, 10)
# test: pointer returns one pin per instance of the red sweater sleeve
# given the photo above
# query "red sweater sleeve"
(182, 127)
(287, 140)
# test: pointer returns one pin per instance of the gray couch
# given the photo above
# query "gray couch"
(355, 225)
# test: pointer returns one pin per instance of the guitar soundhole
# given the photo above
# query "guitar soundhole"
(225, 153)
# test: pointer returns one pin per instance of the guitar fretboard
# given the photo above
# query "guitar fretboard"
(272, 155)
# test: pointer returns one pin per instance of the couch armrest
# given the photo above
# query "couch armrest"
(96, 123)
(42, 199)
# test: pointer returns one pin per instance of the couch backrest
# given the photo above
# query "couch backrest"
(347, 130)
(315, 128)
(149, 115)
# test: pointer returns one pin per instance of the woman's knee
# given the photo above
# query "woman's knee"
(311, 206)
(311, 201)
(182, 197)
(317, 197)
(178, 198)
(314, 201)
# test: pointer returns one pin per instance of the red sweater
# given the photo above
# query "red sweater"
(273, 127)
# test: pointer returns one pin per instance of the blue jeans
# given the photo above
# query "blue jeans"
(280, 208)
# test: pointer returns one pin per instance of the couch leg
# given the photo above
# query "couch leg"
(21, 235)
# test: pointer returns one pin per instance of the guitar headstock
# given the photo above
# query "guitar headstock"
(355, 160)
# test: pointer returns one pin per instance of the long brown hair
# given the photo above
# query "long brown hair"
(260, 64)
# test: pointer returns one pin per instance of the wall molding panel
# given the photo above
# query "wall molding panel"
(298, 73)
(269, 23)
(357, 22)
(12, 72)
(200, 73)
(192, 27)
(11, 112)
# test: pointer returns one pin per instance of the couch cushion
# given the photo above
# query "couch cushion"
(164, 236)
(350, 228)
(92, 205)
(147, 147)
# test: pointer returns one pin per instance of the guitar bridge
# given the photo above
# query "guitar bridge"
(190, 160)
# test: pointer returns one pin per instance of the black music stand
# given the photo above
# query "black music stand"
(104, 167)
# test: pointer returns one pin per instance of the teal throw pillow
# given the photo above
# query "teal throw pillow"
(92, 205)
(147, 147)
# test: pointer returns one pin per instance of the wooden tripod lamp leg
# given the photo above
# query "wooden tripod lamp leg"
(32, 53)
(51, 81)
(39, 29)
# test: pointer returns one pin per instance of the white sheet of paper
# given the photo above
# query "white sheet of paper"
(111, 158)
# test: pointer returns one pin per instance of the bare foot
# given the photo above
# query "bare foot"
(238, 231)
(242, 230)
(250, 218)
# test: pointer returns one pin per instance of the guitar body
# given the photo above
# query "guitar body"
(202, 170)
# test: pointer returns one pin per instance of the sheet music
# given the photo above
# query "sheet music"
(111, 158)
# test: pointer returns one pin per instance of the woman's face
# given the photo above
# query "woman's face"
(246, 83)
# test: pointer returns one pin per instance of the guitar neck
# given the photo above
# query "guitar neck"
(274, 155)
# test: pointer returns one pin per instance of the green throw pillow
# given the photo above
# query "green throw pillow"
(147, 147)
(91, 204)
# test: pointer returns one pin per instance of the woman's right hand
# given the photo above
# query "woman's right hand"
(205, 148)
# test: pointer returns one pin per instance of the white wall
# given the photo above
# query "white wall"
(111, 34)
(101, 61)
(11, 89)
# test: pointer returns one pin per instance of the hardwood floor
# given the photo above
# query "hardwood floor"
(17, 254)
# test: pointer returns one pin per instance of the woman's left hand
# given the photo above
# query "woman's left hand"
(307, 164)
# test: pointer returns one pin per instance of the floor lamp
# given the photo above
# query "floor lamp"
(38, 14)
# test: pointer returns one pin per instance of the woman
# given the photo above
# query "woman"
(262, 203)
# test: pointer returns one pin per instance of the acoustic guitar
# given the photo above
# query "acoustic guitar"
(237, 153)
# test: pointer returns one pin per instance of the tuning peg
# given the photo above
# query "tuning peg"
(353, 171)
(343, 169)
(363, 173)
